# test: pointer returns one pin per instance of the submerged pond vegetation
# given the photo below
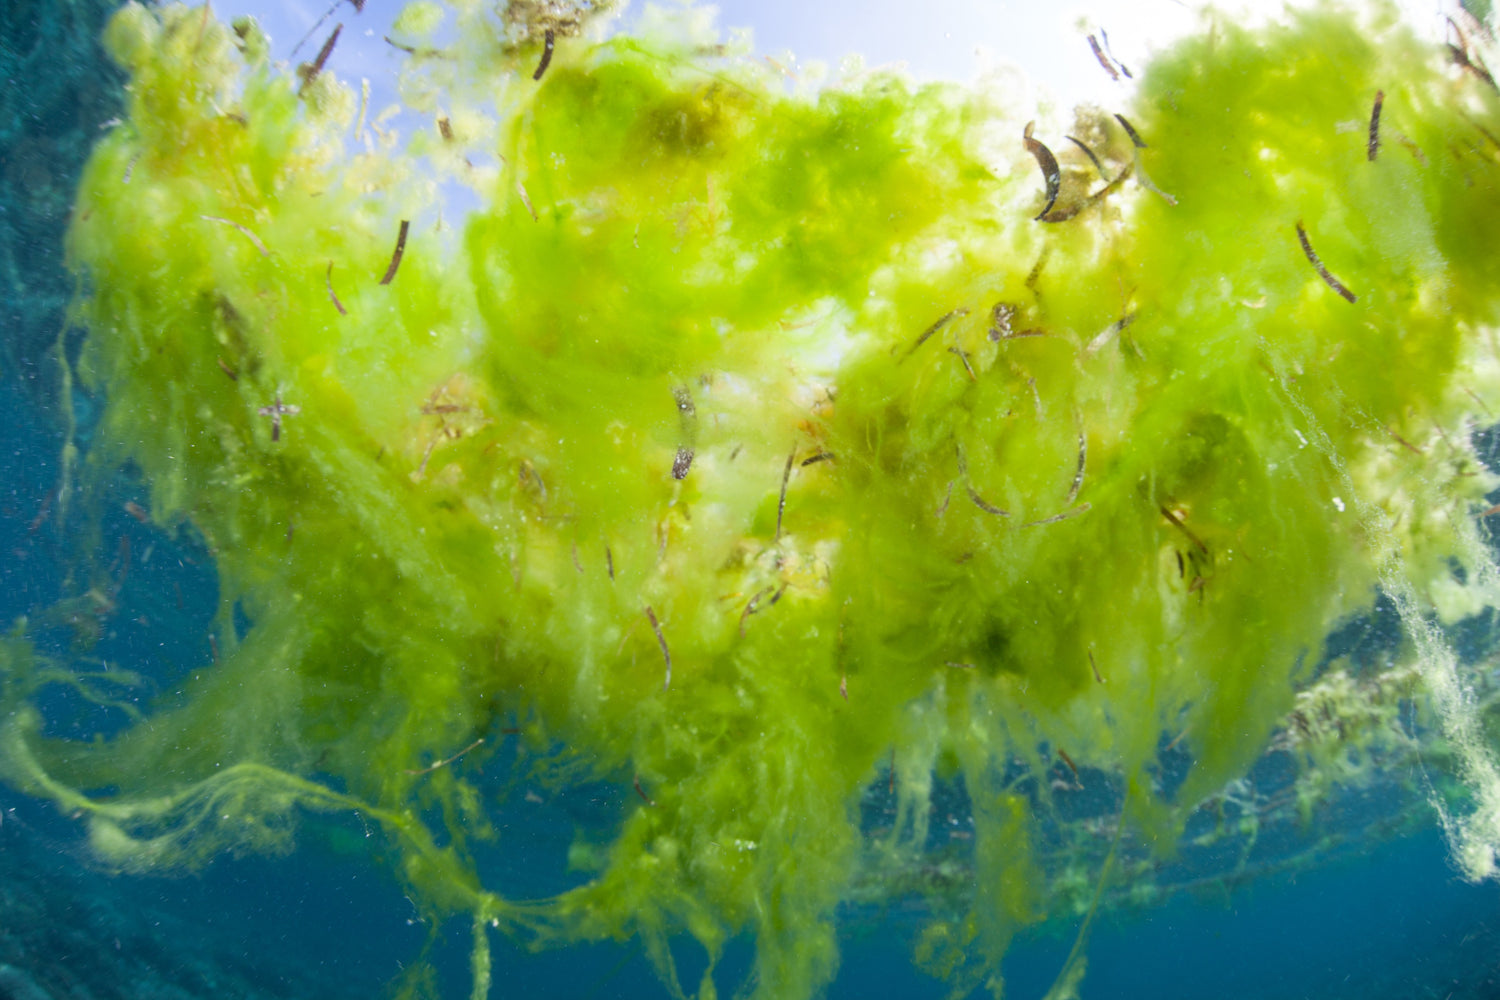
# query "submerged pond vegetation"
(785, 455)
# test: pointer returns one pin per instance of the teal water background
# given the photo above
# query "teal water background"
(1383, 920)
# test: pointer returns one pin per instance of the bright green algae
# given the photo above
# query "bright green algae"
(966, 488)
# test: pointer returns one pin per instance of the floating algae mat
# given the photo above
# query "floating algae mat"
(758, 448)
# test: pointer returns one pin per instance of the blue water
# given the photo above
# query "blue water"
(1393, 924)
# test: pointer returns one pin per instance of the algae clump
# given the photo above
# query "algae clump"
(741, 441)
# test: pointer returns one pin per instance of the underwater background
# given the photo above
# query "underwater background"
(1366, 903)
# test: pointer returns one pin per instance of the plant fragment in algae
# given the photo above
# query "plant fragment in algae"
(1188, 455)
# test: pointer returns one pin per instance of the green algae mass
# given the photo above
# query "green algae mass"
(748, 444)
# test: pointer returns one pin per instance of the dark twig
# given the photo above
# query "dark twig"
(1082, 508)
(331, 294)
(934, 328)
(1103, 59)
(1077, 781)
(444, 763)
(1123, 68)
(390, 272)
(1334, 283)
(1078, 476)
(1402, 441)
(547, 44)
(786, 474)
(1090, 154)
(661, 640)
(248, 234)
(752, 606)
(1461, 56)
(310, 73)
(984, 504)
(1051, 173)
(359, 8)
(963, 356)
(1130, 131)
(1180, 526)
(1374, 146)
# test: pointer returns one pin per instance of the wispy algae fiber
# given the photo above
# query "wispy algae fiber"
(749, 443)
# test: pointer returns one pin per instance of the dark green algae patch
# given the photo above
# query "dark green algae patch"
(743, 445)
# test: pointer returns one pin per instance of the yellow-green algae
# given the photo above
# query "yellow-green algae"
(965, 487)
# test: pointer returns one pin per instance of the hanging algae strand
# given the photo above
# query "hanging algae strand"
(664, 214)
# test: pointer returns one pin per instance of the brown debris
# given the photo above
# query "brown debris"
(1035, 275)
(276, 411)
(1090, 154)
(1077, 781)
(1051, 172)
(688, 414)
(526, 200)
(1130, 131)
(1109, 67)
(1000, 317)
(984, 504)
(547, 43)
(446, 761)
(41, 514)
(1108, 334)
(1180, 526)
(309, 73)
(1402, 441)
(1312, 256)
(963, 356)
(248, 234)
(947, 499)
(1374, 144)
(390, 272)
(942, 321)
(1464, 60)
(661, 641)
(786, 474)
(752, 606)
(1082, 508)
(359, 8)
(1123, 68)
(333, 296)
(1083, 447)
